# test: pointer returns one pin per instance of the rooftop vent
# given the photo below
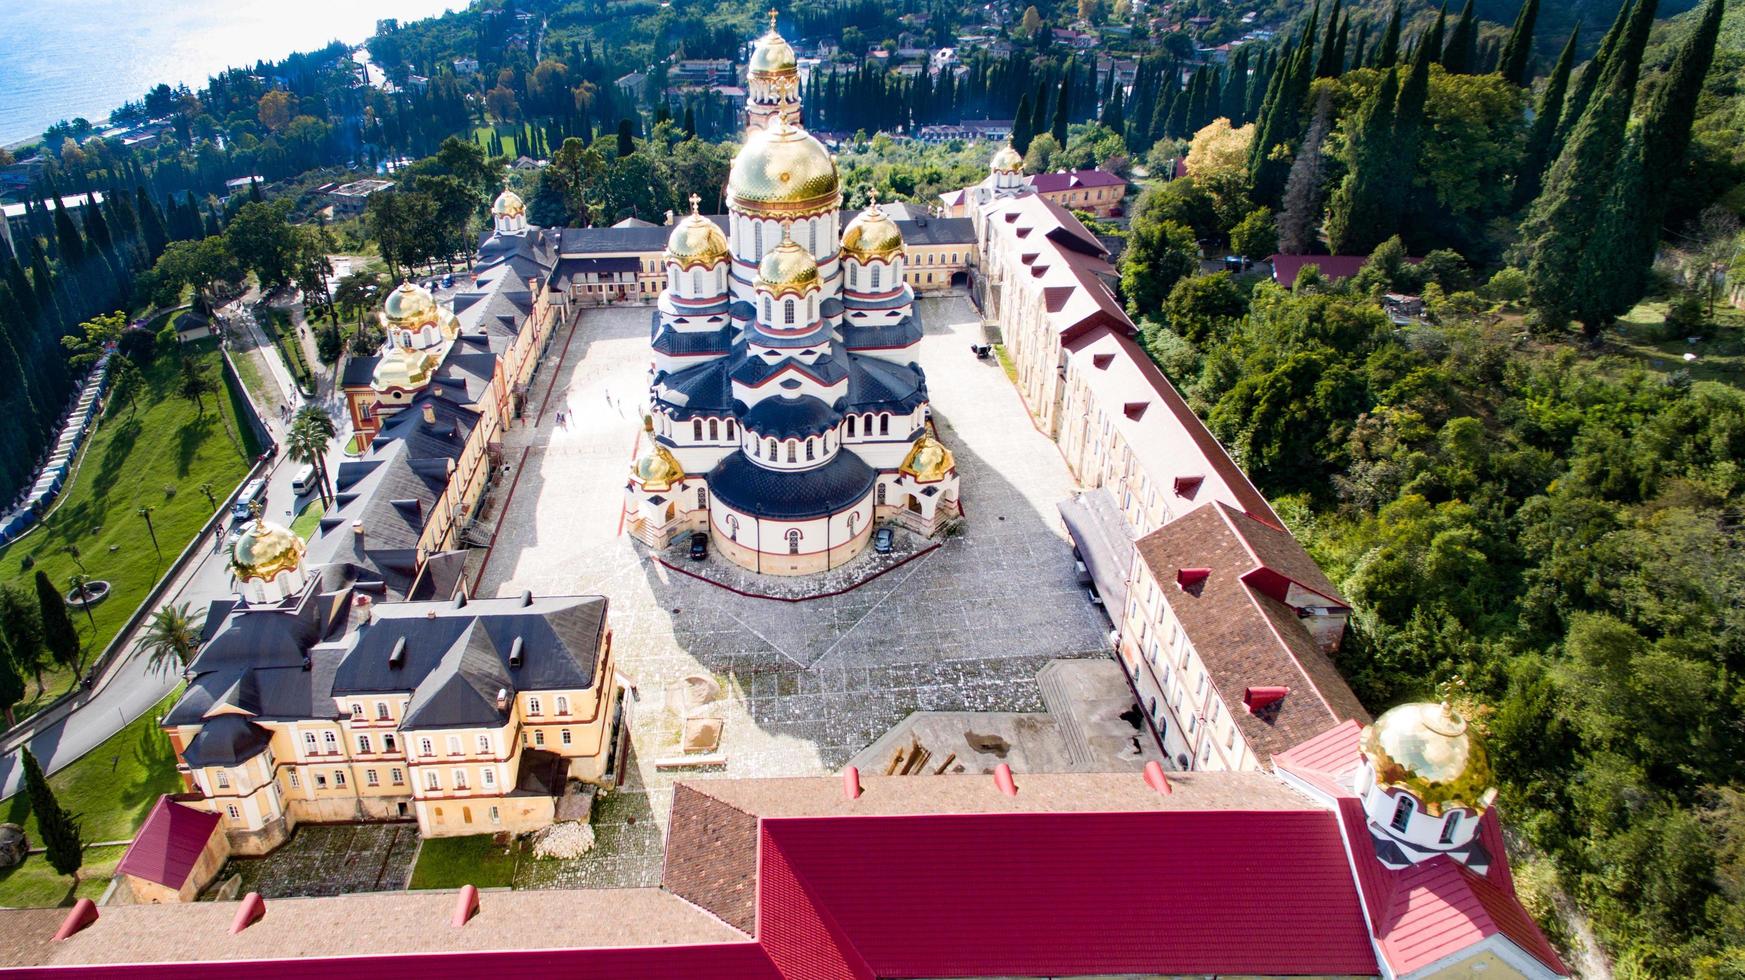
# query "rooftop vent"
(1102, 361)
(429, 413)
(502, 699)
(357, 528)
(516, 653)
(1135, 410)
(460, 601)
(1188, 578)
(1264, 700)
(1185, 486)
(397, 656)
(1156, 778)
(1003, 780)
(527, 597)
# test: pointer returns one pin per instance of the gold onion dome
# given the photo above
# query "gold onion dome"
(872, 235)
(697, 241)
(783, 171)
(1006, 160)
(264, 550)
(787, 268)
(509, 205)
(655, 469)
(409, 305)
(1430, 751)
(929, 461)
(773, 54)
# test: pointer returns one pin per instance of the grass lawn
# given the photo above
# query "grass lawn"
(1720, 354)
(156, 455)
(307, 521)
(33, 884)
(508, 134)
(1006, 363)
(450, 862)
(110, 790)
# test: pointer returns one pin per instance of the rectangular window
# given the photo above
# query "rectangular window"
(566, 736)
(539, 737)
(533, 706)
(388, 743)
(330, 743)
(454, 745)
(320, 781)
(293, 775)
(309, 742)
(234, 813)
(370, 778)
(460, 779)
(223, 779)
(363, 744)
(432, 780)
(338, 778)
(425, 748)
(398, 777)
(495, 816)
(484, 745)
(489, 776)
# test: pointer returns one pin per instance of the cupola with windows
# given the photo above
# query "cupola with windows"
(872, 251)
(1425, 780)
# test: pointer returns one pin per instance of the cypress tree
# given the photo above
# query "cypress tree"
(1112, 113)
(1388, 54)
(1062, 99)
(1572, 265)
(68, 241)
(1360, 46)
(1340, 47)
(1021, 132)
(1433, 38)
(1460, 56)
(1325, 66)
(57, 828)
(1364, 210)
(1257, 87)
(1282, 120)
(1538, 152)
(1582, 88)
(1409, 123)
(59, 634)
(1039, 108)
(626, 139)
(1517, 55)
(1659, 155)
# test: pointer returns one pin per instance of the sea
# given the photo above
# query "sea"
(60, 59)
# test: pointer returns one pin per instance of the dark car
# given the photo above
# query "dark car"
(882, 539)
(699, 546)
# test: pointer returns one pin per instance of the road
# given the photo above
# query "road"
(132, 686)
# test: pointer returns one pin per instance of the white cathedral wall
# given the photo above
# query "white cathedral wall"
(816, 535)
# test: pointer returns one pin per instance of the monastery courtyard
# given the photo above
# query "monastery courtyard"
(805, 685)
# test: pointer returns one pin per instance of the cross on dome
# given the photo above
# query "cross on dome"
(772, 20)
(696, 199)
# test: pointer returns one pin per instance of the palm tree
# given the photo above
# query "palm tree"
(311, 432)
(174, 635)
(78, 582)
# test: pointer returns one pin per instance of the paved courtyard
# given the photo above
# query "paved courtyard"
(806, 685)
(331, 859)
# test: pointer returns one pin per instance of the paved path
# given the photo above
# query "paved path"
(132, 686)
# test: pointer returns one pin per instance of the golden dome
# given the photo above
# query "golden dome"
(263, 551)
(508, 205)
(409, 305)
(872, 235)
(403, 368)
(773, 55)
(697, 241)
(656, 468)
(783, 172)
(929, 461)
(1428, 750)
(1007, 160)
(787, 268)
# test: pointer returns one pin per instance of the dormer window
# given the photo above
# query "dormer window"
(1450, 827)
(1402, 814)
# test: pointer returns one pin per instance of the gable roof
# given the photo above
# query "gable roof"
(1062, 180)
(168, 844)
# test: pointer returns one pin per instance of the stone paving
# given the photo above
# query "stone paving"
(806, 685)
(331, 859)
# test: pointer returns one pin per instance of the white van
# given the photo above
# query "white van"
(303, 482)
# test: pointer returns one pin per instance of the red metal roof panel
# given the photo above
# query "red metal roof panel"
(169, 843)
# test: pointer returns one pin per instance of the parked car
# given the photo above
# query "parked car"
(882, 540)
(699, 546)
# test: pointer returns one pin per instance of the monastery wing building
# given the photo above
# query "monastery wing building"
(788, 410)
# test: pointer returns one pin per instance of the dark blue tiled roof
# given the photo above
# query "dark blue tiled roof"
(790, 418)
(690, 342)
(881, 385)
(756, 370)
(703, 387)
(900, 334)
(830, 489)
(227, 740)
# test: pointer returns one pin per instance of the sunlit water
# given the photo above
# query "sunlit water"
(65, 58)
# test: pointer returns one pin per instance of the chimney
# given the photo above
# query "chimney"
(397, 656)
(252, 909)
(1259, 699)
(466, 905)
(1003, 780)
(1156, 779)
(357, 527)
(429, 414)
(502, 699)
(1188, 578)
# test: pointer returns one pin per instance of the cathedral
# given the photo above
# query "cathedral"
(788, 411)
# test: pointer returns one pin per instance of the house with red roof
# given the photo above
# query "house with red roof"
(976, 875)
(1096, 191)
(175, 855)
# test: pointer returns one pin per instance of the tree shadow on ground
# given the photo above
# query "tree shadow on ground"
(151, 752)
(115, 456)
(189, 439)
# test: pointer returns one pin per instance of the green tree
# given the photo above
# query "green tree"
(1203, 308)
(94, 339)
(173, 637)
(125, 382)
(1388, 52)
(312, 431)
(57, 828)
(195, 384)
(1460, 55)
(263, 241)
(1159, 252)
(1540, 139)
(21, 623)
(59, 635)
(1256, 235)
(1365, 208)
(1516, 62)
(201, 265)
(12, 687)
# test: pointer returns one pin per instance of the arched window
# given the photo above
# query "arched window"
(697, 281)
(563, 705)
(702, 497)
(788, 311)
(1402, 813)
(772, 450)
(1450, 826)
(812, 236)
(757, 238)
(875, 276)
(884, 425)
(790, 452)
(766, 309)
(809, 455)
(881, 495)
(794, 541)
(714, 431)
(732, 430)
(851, 427)
(697, 430)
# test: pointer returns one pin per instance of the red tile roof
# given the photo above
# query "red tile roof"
(169, 843)
(1047, 894)
(1063, 180)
